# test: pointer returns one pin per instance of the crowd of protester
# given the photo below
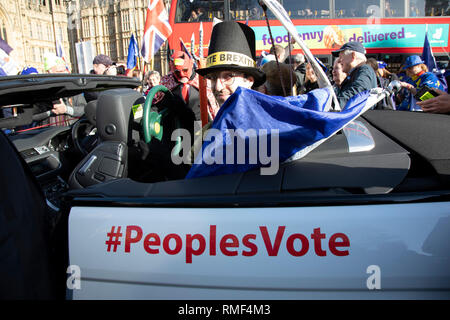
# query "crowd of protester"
(351, 73)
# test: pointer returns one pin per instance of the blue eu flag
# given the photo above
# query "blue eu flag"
(132, 53)
(252, 129)
(428, 58)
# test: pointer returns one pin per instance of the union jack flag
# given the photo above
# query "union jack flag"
(157, 29)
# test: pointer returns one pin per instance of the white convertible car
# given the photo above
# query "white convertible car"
(97, 213)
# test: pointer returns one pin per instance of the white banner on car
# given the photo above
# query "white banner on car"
(252, 253)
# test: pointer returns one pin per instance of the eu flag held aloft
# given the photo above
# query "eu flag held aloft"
(430, 61)
(132, 53)
(252, 127)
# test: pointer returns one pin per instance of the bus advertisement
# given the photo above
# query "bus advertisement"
(385, 37)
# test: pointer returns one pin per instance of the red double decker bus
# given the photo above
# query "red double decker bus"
(390, 30)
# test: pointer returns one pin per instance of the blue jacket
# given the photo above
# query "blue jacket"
(427, 78)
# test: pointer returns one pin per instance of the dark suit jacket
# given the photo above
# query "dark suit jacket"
(360, 79)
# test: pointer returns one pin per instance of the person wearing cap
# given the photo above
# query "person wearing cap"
(73, 106)
(54, 64)
(231, 61)
(384, 72)
(183, 82)
(102, 63)
(361, 77)
(418, 74)
(29, 70)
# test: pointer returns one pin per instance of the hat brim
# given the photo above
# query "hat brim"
(257, 74)
(412, 65)
(336, 53)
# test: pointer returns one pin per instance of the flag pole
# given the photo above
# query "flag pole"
(202, 81)
(137, 37)
(143, 77)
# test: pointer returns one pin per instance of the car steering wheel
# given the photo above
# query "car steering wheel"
(152, 121)
(84, 136)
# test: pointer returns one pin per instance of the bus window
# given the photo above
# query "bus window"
(310, 9)
(199, 10)
(243, 9)
(432, 8)
(357, 8)
(394, 8)
(417, 8)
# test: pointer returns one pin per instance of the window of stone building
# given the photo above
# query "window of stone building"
(39, 30)
(125, 21)
(112, 49)
(3, 34)
(86, 28)
(36, 54)
(59, 33)
(49, 32)
(41, 54)
(92, 27)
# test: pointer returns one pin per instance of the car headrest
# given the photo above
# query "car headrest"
(113, 116)
(90, 111)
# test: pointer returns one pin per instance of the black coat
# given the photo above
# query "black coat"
(360, 79)
(300, 74)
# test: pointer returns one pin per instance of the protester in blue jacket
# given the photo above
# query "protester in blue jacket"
(419, 76)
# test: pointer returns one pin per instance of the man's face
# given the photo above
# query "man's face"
(338, 74)
(346, 60)
(412, 71)
(153, 80)
(225, 83)
(58, 69)
(99, 68)
(310, 74)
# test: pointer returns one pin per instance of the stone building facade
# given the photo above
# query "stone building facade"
(108, 25)
(31, 26)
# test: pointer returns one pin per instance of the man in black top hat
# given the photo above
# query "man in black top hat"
(361, 77)
(231, 60)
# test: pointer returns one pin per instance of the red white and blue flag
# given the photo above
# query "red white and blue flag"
(156, 30)
(60, 50)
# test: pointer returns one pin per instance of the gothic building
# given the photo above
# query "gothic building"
(108, 25)
(31, 26)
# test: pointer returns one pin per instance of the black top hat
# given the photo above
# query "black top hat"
(232, 47)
